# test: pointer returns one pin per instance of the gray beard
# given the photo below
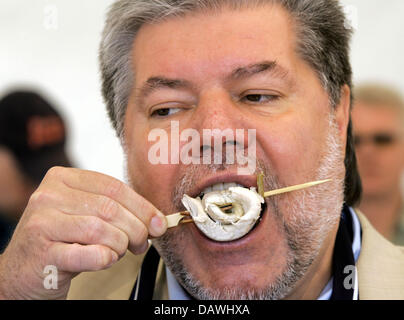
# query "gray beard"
(312, 214)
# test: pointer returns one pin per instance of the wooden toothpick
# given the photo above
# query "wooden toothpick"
(294, 188)
(184, 216)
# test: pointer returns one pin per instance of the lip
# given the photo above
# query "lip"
(234, 245)
(247, 181)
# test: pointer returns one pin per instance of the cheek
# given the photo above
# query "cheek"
(152, 181)
(293, 151)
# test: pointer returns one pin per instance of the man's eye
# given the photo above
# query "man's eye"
(259, 98)
(164, 112)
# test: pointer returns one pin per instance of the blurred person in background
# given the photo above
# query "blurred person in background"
(32, 140)
(378, 118)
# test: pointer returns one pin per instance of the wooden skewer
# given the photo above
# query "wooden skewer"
(188, 220)
(294, 188)
(260, 184)
(174, 219)
(185, 217)
(226, 207)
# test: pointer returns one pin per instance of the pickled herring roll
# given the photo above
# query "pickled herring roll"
(227, 214)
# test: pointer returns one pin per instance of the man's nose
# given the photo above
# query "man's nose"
(217, 110)
(221, 124)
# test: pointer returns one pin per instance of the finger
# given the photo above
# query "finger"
(83, 230)
(80, 258)
(98, 183)
(75, 202)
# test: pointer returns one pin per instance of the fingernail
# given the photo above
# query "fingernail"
(157, 226)
(114, 259)
(145, 247)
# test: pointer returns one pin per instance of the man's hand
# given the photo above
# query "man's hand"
(77, 221)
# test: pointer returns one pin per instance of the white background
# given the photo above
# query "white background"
(52, 46)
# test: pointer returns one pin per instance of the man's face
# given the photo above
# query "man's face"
(379, 148)
(236, 70)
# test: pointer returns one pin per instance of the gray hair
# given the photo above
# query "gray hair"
(321, 29)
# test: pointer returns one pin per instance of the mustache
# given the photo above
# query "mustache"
(194, 173)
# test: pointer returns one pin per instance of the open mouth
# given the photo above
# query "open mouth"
(226, 211)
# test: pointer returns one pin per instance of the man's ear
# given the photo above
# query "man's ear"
(343, 112)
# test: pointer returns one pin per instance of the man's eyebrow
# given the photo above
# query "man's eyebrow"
(154, 83)
(256, 68)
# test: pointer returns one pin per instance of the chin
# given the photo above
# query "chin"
(251, 281)
(247, 278)
(240, 269)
